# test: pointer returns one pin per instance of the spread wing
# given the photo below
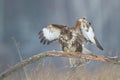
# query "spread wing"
(90, 36)
(86, 30)
(50, 33)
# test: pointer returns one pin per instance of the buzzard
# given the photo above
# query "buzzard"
(70, 39)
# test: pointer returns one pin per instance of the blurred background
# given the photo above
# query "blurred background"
(21, 20)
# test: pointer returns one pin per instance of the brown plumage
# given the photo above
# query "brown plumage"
(67, 38)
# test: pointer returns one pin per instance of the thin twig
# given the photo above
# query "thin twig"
(20, 56)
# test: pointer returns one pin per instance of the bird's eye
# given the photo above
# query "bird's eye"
(84, 18)
(89, 23)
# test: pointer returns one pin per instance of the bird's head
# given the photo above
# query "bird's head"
(84, 24)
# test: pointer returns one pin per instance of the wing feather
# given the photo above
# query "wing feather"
(50, 33)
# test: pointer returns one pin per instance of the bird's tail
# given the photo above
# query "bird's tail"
(75, 62)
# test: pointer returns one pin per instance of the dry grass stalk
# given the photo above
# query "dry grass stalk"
(55, 54)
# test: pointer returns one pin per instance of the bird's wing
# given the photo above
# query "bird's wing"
(50, 33)
(89, 35)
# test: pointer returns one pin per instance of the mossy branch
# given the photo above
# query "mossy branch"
(56, 54)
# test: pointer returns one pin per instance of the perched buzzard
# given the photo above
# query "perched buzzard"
(70, 39)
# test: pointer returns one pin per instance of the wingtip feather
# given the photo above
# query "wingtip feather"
(98, 44)
(100, 47)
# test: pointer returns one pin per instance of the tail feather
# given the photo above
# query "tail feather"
(98, 44)
(75, 62)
